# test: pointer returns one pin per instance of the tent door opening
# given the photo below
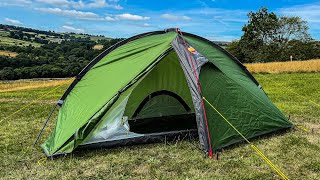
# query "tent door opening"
(162, 111)
(161, 102)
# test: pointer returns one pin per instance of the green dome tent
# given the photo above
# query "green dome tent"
(150, 86)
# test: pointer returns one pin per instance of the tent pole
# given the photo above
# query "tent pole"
(44, 125)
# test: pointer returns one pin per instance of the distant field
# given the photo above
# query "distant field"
(96, 38)
(285, 67)
(6, 86)
(8, 53)
(92, 37)
(295, 152)
(17, 42)
(7, 41)
(98, 46)
(4, 33)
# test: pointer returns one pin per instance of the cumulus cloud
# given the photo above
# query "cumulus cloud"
(309, 12)
(109, 18)
(174, 17)
(71, 13)
(126, 17)
(55, 2)
(22, 3)
(96, 4)
(131, 17)
(12, 21)
(92, 16)
(72, 29)
(80, 4)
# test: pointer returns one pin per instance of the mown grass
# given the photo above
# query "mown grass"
(285, 67)
(295, 152)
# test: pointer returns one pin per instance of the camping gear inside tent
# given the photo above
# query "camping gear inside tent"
(151, 86)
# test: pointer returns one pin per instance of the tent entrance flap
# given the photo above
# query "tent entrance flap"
(161, 102)
(163, 92)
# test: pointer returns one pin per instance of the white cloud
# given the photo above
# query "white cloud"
(145, 24)
(131, 17)
(55, 2)
(80, 4)
(309, 12)
(95, 4)
(72, 29)
(12, 21)
(71, 13)
(92, 16)
(109, 18)
(21, 3)
(126, 17)
(174, 17)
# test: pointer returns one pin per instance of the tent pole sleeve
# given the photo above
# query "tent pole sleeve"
(45, 124)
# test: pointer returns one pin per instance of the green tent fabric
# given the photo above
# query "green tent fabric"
(145, 88)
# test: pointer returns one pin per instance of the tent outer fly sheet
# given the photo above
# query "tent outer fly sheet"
(151, 86)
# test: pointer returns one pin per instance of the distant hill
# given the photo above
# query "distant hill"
(222, 43)
(30, 53)
(22, 36)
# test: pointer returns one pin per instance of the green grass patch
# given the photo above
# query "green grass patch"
(295, 152)
(4, 33)
(16, 42)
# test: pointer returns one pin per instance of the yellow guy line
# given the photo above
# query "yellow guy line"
(42, 161)
(24, 107)
(251, 145)
(303, 128)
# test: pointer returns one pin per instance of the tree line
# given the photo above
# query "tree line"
(52, 60)
(268, 37)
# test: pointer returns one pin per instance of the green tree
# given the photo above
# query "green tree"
(266, 37)
(7, 73)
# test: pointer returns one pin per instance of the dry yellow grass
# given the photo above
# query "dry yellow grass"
(98, 46)
(285, 67)
(8, 53)
(30, 84)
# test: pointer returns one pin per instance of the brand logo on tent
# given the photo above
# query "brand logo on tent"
(192, 50)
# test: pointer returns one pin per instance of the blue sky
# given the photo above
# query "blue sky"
(213, 19)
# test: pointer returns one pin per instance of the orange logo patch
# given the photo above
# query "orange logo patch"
(191, 49)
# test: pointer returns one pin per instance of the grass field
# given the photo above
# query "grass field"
(17, 42)
(98, 46)
(8, 53)
(6, 86)
(4, 33)
(285, 67)
(295, 152)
